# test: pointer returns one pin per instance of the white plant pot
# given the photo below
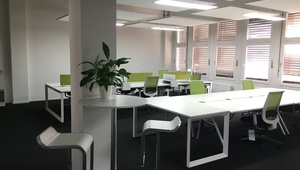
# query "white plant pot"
(105, 94)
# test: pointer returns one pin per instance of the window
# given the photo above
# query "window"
(259, 29)
(291, 52)
(291, 64)
(200, 59)
(225, 59)
(258, 49)
(200, 49)
(257, 62)
(201, 33)
(292, 25)
(181, 50)
(227, 30)
(181, 58)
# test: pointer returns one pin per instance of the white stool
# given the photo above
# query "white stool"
(157, 126)
(51, 139)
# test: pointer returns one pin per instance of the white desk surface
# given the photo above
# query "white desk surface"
(59, 88)
(190, 109)
(119, 101)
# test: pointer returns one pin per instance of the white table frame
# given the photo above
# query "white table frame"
(195, 111)
(62, 90)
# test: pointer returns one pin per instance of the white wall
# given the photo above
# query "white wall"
(5, 62)
(48, 44)
(144, 46)
(48, 51)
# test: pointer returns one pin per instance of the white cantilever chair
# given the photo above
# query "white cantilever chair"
(157, 126)
(51, 139)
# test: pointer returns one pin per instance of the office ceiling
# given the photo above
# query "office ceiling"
(146, 14)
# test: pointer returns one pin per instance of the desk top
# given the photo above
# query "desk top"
(59, 88)
(118, 102)
(185, 108)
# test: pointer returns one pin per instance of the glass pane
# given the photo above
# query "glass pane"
(257, 62)
(180, 58)
(225, 61)
(291, 63)
(200, 59)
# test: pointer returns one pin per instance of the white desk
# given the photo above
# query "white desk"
(194, 111)
(212, 104)
(118, 102)
(61, 90)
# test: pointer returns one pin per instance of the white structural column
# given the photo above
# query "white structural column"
(19, 61)
(91, 23)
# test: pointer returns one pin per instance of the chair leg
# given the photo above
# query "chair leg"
(69, 159)
(157, 151)
(84, 158)
(92, 156)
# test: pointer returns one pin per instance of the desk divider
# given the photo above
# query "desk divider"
(138, 76)
(65, 79)
(180, 75)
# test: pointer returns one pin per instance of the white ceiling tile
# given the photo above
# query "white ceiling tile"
(174, 20)
(149, 4)
(282, 5)
(233, 13)
(132, 16)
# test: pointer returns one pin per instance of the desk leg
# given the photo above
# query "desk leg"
(224, 141)
(62, 108)
(114, 132)
(46, 97)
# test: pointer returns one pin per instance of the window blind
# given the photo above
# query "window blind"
(292, 25)
(227, 30)
(259, 29)
(225, 61)
(200, 59)
(291, 63)
(180, 58)
(201, 33)
(257, 62)
(181, 36)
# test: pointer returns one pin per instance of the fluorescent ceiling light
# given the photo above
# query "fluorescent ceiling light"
(119, 24)
(185, 4)
(167, 29)
(262, 16)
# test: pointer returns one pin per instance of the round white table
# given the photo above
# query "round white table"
(117, 102)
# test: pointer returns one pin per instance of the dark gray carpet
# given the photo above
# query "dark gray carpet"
(20, 124)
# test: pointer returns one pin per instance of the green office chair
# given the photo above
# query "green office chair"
(150, 87)
(198, 87)
(196, 76)
(268, 119)
(247, 84)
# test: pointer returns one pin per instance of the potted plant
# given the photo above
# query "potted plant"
(104, 72)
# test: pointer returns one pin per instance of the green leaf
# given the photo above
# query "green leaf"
(106, 51)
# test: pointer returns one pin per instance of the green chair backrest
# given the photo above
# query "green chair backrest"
(196, 76)
(273, 101)
(271, 108)
(138, 76)
(150, 86)
(65, 79)
(247, 84)
(197, 87)
(161, 72)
